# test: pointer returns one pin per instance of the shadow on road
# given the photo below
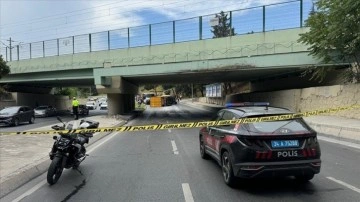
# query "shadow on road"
(274, 186)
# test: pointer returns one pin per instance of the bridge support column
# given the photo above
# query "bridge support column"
(121, 94)
(120, 103)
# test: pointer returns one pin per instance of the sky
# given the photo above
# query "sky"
(28, 21)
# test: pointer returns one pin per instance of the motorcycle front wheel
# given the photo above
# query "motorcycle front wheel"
(54, 171)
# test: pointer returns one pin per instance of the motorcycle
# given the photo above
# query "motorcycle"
(68, 150)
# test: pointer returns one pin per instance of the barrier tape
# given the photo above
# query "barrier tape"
(189, 124)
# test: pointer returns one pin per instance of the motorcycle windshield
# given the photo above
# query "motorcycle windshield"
(72, 125)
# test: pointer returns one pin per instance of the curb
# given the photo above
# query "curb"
(203, 107)
(28, 173)
(337, 132)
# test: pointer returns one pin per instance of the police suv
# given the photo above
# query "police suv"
(261, 149)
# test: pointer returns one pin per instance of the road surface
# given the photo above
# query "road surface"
(166, 166)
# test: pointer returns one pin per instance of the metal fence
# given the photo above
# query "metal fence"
(284, 15)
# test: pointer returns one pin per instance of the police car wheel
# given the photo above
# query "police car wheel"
(227, 170)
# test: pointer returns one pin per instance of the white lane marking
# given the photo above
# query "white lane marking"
(175, 150)
(168, 129)
(30, 191)
(187, 192)
(349, 144)
(344, 184)
(40, 184)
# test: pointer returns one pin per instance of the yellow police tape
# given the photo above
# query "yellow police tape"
(189, 124)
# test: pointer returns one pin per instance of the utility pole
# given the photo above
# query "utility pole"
(10, 47)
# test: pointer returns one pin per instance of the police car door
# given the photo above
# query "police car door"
(209, 137)
(221, 131)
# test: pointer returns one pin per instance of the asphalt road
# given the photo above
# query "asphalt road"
(45, 121)
(166, 166)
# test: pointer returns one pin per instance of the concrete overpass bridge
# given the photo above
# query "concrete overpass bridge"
(119, 72)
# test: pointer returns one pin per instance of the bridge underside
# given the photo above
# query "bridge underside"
(211, 76)
(85, 78)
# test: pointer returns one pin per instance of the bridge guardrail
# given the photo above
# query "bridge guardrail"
(271, 17)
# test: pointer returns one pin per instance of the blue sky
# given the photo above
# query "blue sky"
(37, 20)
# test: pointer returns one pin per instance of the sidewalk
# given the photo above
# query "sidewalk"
(332, 126)
(24, 157)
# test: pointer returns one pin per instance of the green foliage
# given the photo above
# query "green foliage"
(168, 86)
(167, 92)
(183, 89)
(151, 87)
(71, 92)
(4, 68)
(334, 36)
(199, 88)
(223, 29)
(140, 107)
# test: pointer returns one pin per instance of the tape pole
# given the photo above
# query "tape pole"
(188, 124)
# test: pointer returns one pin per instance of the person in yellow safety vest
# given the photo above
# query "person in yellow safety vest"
(75, 106)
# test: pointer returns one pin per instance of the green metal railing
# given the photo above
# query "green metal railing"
(284, 15)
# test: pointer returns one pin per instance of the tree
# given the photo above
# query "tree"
(334, 37)
(168, 86)
(223, 29)
(183, 89)
(71, 92)
(167, 92)
(199, 88)
(4, 70)
(150, 87)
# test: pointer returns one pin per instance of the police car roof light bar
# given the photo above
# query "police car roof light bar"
(244, 104)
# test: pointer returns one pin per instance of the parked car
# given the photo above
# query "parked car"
(103, 106)
(101, 100)
(91, 105)
(16, 115)
(45, 111)
(92, 99)
(261, 149)
(83, 110)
